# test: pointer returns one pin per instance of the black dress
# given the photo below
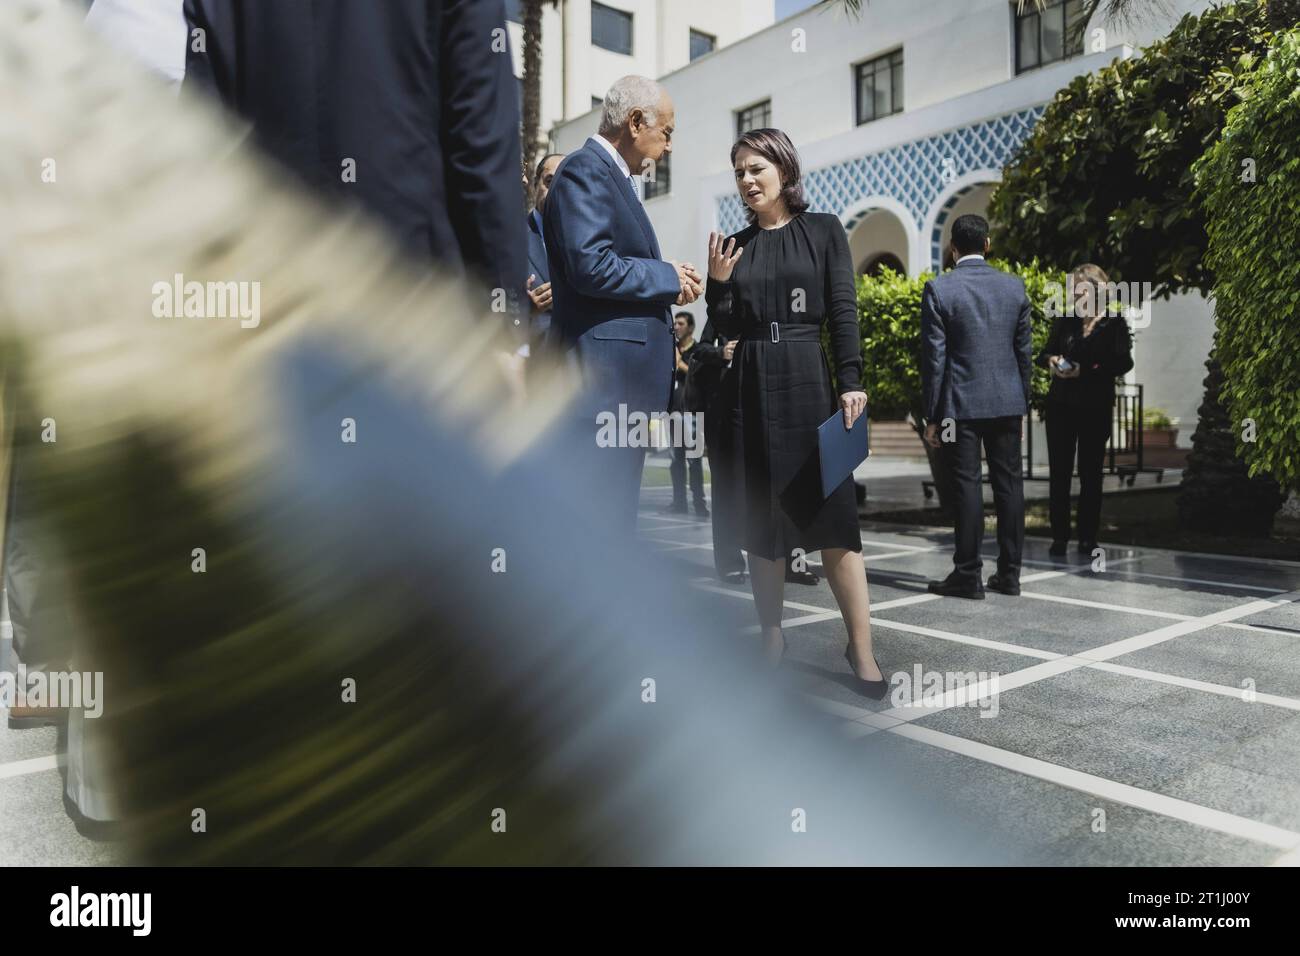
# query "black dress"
(778, 389)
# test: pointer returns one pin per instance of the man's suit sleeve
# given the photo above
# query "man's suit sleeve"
(579, 228)
(934, 352)
(479, 136)
(1025, 346)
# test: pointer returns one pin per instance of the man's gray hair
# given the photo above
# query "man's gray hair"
(628, 94)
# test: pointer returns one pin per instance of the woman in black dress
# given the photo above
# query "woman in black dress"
(1086, 351)
(773, 285)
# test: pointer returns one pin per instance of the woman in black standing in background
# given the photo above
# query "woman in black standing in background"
(1086, 351)
(772, 285)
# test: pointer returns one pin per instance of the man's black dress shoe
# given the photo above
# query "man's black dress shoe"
(735, 577)
(800, 577)
(1058, 548)
(1008, 586)
(1086, 547)
(701, 510)
(875, 689)
(948, 589)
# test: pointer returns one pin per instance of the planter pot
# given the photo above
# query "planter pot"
(1156, 438)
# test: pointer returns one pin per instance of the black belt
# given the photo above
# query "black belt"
(780, 332)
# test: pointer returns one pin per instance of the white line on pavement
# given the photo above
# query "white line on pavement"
(1132, 796)
(19, 768)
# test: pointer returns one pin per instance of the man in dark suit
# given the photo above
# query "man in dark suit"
(975, 375)
(539, 270)
(410, 106)
(612, 291)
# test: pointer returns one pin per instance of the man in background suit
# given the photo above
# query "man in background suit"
(539, 270)
(407, 105)
(612, 291)
(975, 374)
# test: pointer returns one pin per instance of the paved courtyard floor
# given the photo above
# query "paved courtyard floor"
(1144, 714)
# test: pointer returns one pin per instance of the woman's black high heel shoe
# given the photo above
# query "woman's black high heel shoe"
(875, 689)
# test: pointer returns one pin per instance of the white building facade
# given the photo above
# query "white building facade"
(904, 119)
(587, 44)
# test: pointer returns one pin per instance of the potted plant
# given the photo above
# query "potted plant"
(1158, 429)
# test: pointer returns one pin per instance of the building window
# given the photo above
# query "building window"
(611, 29)
(880, 87)
(758, 116)
(1049, 35)
(661, 184)
(515, 10)
(702, 43)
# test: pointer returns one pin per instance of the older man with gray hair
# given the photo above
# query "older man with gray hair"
(612, 291)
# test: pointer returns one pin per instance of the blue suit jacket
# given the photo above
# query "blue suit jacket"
(409, 89)
(538, 266)
(975, 344)
(611, 291)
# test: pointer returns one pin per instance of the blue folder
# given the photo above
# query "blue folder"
(841, 450)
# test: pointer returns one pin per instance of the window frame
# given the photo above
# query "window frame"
(1068, 51)
(742, 128)
(631, 31)
(894, 64)
(713, 43)
(663, 181)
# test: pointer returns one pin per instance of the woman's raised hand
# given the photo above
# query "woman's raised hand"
(722, 260)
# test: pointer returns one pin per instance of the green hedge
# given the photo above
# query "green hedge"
(889, 315)
(1105, 175)
(1253, 249)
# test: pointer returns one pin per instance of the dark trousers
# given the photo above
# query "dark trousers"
(1001, 440)
(727, 556)
(1088, 430)
(678, 467)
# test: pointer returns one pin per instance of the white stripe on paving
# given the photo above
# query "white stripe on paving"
(797, 621)
(961, 696)
(966, 639)
(1061, 599)
(1224, 690)
(1220, 584)
(19, 768)
(1169, 632)
(1260, 628)
(1184, 810)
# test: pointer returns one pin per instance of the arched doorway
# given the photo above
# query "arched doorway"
(970, 195)
(879, 238)
(881, 261)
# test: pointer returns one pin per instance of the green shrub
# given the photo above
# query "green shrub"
(1253, 226)
(1105, 176)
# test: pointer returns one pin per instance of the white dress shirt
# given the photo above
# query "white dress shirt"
(973, 255)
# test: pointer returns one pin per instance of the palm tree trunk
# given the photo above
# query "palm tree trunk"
(532, 105)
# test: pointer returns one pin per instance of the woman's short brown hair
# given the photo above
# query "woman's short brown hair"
(774, 146)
